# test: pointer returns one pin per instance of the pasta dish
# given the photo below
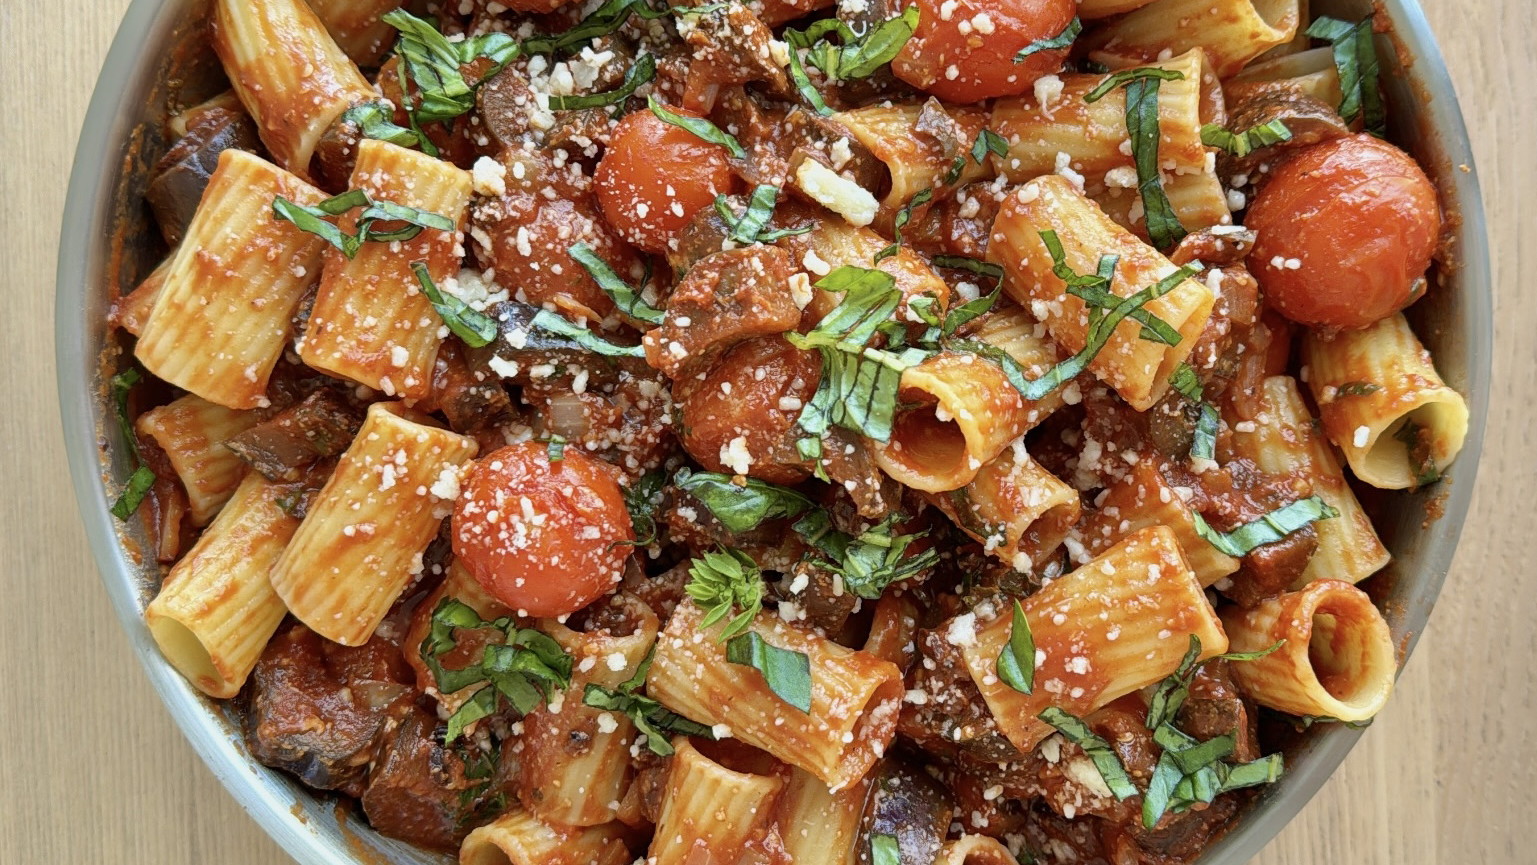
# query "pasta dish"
(791, 431)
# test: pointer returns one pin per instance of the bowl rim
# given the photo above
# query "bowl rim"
(287, 812)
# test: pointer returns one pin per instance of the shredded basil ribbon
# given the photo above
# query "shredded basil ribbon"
(143, 477)
(905, 215)
(641, 73)
(968, 264)
(748, 228)
(1203, 444)
(317, 220)
(376, 120)
(435, 65)
(858, 56)
(1016, 663)
(884, 850)
(741, 507)
(650, 717)
(1052, 43)
(1355, 56)
(474, 327)
(870, 561)
(787, 672)
(1267, 529)
(556, 324)
(625, 297)
(698, 126)
(1243, 143)
(1074, 730)
(643, 499)
(1171, 693)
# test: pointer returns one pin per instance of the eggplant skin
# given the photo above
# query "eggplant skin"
(177, 183)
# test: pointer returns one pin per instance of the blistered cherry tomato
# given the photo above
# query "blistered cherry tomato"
(963, 50)
(1345, 231)
(546, 538)
(655, 176)
(741, 415)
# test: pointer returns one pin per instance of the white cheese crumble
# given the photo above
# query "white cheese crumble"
(836, 193)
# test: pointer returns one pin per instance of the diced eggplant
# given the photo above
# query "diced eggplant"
(912, 807)
(320, 426)
(177, 183)
(418, 790)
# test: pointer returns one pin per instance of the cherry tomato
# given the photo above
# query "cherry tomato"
(545, 538)
(1345, 230)
(746, 407)
(963, 50)
(656, 176)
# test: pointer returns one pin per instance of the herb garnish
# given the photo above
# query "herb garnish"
(626, 298)
(1355, 56)
(143, 477)
(1357, 388)
(870, 561)
(435, 65)
(641, 73)
(474, 327)
(1163, 226)
(905, 215)
(1243, 143)
(856, 56)
(1419, 448)
(722, 581)
(1203, 444)
(884, 850)
(318, 220)
(1074, 730)
(559, 325)
(376, 120)
(741, 507)
(1052, 43)
(749, 227)
(1170, 694)
(1016, 663)
(1267, 529)
(523, 669)
(699, 127)
(787, 672)
(650, 717)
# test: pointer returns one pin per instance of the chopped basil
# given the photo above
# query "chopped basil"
(556, 324)
(904, 216)
(968, 264)
(1241, 144)
(1160, 789)
(317, 220)
(1267, 529)
(635, 77)
(1098, 750)
(987, 142)
(434, 64)
(1303, 722)
(1163, 225)
(602, 21)
(1171, 693)
(723, 581)
(650, 717)
(1016, 663)
(555, 448)
(643, 498)
(1127, 76)
(1355, 56)
(143, 477)
(376, 120)
(1189, 755)
(138, 486)
(884, 850)
(1052, 43)
(1265, 770)
(870, 561)
(626, 298)
(857, 56)
(474, 327)
(1357, 388)
(1203, 444)
(1418, 448)
(748, 228)
(741, 507)
(1094, 291)
(523, 669)
(798, 76)
(959, 316)
(699, 127)
(787, 672)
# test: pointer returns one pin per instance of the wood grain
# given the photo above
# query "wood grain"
(92, 769)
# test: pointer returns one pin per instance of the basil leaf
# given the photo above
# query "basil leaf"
(798, 76)
(905, 215)
(968, 264)
(869, 562)
(987, 142)
(1203, 444)
(626, 298)
(884, 850)
(1016, 663)
(723, 581)
(1265, 770)
(860, 57)
(787, 672)
(376, 120)
(1267, 529)
(555, 448)
(1355, 56)
(967, 312)
(639, 74)
(316, 219)
(1163, 225)
(643, 499)
(1418, 442)
(1126, 76)
(1170, 694)
(1098, 750)
(741, 508)
(1191, 756)
(602, 21)
(476, 328)
(1160, 789)
(1241, 144)
(1052, 43)
(556, 324)
(699, 127)
(748, 228)
(120, 386)
(434, 64)
(650, 717)
(138, 486)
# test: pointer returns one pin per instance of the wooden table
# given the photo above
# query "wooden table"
(93, 770)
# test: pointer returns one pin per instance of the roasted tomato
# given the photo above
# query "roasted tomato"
(963, 50)
(1345, 232)
(656, 176)
(545, 538)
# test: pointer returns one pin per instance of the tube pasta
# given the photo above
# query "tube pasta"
(371, 323)
(582, 787)
(519, 838)
(1284, 440)
(289, 73)
(962, 410)
(1338, 660)
(707, 807)
(216, 609)
(1198, 200)
(1089, 9)
(892, 628)
(1369, 385)
(1230, 32)
(1144, 498)
(1137, 368)
(362, 539)
(855, 696)
(834, 243)
(222, 317)
(1019, 511)
(974, 850)
(1312, 71)
(818, 826)
(1090, 135)
(1108, 628)
(191, 430)
(132, 309)
(356, 27)
(890, 133)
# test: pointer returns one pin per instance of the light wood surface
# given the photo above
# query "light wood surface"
(92, 769)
